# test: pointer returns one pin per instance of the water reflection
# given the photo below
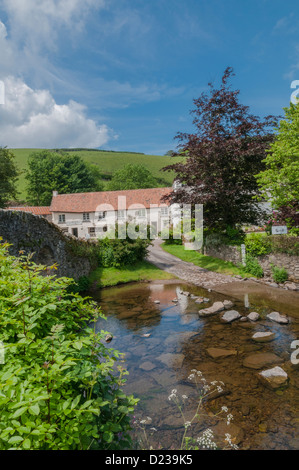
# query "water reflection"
(164, 341)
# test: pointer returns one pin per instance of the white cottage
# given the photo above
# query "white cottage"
(90, 215)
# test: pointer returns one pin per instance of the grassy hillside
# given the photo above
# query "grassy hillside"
(107, 161)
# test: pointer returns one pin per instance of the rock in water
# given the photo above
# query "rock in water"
(228, 304)
(274, 378)
(259, 360)
(217, 353)
(253, 316)
(108, 338)
(216, 308)
(230, 316)
(263, 336)
(278, 318)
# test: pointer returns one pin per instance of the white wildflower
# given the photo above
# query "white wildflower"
(187, 424)
(206, 440)
(229, 418)
(225, 409)
(228, 439)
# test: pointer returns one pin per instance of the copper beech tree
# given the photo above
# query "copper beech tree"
(222, 157)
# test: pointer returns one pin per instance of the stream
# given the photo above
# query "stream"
(163, 343)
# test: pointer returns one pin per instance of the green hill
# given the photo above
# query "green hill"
(107, 161)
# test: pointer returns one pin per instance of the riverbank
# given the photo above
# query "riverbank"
(210, 263)
(141, 271)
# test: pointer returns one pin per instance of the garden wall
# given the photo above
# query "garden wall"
(233, 254)
(225, 252)
(290, 263)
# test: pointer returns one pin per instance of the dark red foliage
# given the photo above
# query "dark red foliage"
(222, 157)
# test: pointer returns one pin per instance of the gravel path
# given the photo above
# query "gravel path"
(185, 270)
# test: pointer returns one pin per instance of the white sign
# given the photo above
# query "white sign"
(279, 230)
(243, 254)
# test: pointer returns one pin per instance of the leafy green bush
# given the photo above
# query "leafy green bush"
(117, 252)
(231, 236)
(285, 244)
(253, 267)
(234, 236)
(258, 245)
(81, 285)
(172, 236)
(59, 388)
(214, 240)
(279, 275)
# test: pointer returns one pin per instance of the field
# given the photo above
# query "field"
(107, 161)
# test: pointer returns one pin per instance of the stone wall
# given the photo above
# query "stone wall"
(225, 252)
(233, 254)
(35, 234)
(282, 260)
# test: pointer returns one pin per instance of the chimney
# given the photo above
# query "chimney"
(55, 193)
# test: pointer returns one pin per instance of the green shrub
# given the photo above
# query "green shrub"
(231, 236)
(285, 244)
(279, 275)
(172, 236)
(59, 387)
(258, 245)
(234, 236)
(253, 267)
(214, 240)
(117, 252)
(81, 285)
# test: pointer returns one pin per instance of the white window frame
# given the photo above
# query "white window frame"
(164, 211)
(61, 218)
(121, 214)
(140, 213)
(86, 217)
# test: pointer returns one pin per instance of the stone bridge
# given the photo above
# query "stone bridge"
(34, 234)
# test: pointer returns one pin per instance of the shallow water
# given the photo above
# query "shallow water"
(176, 342)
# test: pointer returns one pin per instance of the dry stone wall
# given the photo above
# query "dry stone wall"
(233, 254)
(35, 234)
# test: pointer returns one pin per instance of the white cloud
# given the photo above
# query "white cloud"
(37, 22)
(32, 118)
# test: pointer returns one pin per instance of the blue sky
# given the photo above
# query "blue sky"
(122, 74)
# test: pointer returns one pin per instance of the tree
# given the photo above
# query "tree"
(132, 177)
(279, 182)
(8, 176)
(222, 157)
(49, 171)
